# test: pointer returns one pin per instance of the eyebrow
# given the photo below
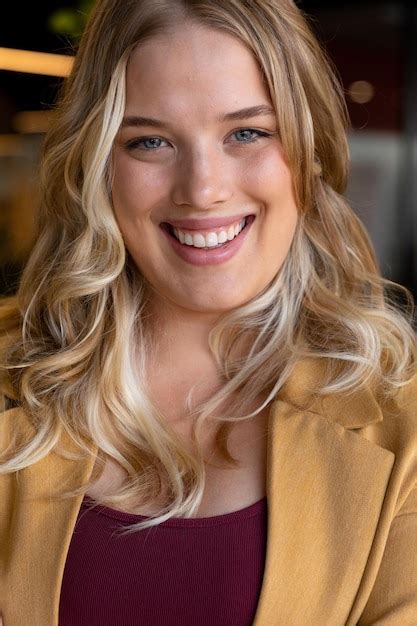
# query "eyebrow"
(242, 114)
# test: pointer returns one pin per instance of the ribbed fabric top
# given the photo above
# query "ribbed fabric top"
(185, 572)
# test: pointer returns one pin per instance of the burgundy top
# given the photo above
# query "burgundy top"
(186, 571)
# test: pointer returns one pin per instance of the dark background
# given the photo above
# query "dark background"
(367, 41)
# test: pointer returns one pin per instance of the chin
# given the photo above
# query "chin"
(216, 305)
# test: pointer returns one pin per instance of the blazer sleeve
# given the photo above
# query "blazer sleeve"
(393, 600)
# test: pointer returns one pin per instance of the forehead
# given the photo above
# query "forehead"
(190, 71)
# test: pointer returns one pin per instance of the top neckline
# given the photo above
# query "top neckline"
(216, 520)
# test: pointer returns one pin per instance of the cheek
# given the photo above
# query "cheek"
(267, 176)
(281, 204)
(280, 217)
(136, 187)
(269, 181)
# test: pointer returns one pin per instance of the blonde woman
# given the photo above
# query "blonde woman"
(209, 391)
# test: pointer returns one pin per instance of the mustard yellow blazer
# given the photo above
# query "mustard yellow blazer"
(342, 515)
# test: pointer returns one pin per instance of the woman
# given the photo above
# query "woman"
(209, 395)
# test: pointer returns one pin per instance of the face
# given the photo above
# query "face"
(188, 181)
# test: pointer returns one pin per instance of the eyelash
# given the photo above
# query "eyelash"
(134, 143)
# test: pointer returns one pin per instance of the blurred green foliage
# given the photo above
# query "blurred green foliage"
(70, 21)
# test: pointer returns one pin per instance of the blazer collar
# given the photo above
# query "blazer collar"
(351, 410)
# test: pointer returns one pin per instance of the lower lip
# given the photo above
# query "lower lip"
(201, 256)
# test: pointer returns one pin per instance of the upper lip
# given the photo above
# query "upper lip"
(206, 224)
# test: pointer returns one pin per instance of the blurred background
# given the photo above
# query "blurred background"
(373, 45)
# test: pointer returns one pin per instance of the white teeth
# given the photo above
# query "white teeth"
(199, 241)
(231, 233)
(211, 240)
(222, 237)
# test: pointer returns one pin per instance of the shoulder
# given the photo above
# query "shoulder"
(397, 432)
(406, 397)
(399, 413)
(15, 430)
(389, 424)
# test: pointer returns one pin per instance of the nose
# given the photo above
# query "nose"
(202, 179)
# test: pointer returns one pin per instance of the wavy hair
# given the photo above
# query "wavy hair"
(75, 338)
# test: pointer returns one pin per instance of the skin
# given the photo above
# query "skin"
(199, 167)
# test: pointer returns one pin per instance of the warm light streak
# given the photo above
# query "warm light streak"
(31, 62)
(32, 121)
(11, 146)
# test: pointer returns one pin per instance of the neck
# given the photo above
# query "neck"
(180, 347)
(178, 330)
(180, 358)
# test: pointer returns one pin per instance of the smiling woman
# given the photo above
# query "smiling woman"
(200, 324)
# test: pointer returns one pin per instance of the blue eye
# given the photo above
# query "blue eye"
(251, 130)
(154, 143)
(136, 143)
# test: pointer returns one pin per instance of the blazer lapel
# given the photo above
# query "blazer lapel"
(42, 528)
(325, 490)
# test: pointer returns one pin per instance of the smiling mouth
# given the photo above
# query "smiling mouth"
(208, 241)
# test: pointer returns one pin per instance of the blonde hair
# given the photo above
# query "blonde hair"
(75, 340)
